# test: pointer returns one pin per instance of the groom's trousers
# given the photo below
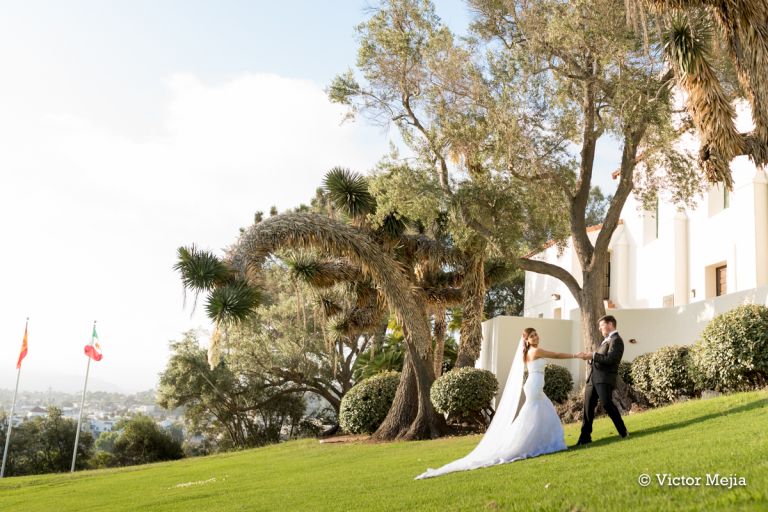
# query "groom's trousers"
(592, 393)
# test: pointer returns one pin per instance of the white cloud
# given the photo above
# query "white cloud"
(91, 217)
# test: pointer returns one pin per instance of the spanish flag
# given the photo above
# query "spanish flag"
(23, 352)
(93, 350)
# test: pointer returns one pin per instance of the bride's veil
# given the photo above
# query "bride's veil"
(485, 453)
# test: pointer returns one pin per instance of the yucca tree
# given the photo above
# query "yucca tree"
(229, 298)
(421, 257)
(382, 267)
(742, 27)
(407, 419)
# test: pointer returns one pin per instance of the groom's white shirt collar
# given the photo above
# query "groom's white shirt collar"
(608, 338)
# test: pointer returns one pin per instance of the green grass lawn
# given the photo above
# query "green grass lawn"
(725, 435)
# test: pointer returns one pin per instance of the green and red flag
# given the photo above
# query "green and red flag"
(93, 350)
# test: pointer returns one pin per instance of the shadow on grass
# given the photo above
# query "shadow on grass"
(634, 434)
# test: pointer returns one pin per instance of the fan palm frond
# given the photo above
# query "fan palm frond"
(744, 24)
(232, 302)
(392, 226)
(329, 306)
(302, 266)
(200, 270)
(687, 49)
(349, 193)
(322, 273)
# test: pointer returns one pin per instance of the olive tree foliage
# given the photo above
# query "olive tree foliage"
(417, 77)
(142, 441)
(508, 120)
(235, 410)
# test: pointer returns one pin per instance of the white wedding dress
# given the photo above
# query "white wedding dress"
(535, 431)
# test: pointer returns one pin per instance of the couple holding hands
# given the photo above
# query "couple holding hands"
(535, 429)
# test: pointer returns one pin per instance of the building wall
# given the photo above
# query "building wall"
(652, 328)
(676, 267)
(674, 264)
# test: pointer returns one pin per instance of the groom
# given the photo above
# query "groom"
(602, 368)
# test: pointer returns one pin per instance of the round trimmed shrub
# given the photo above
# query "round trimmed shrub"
(558, 382)
(463, 393)
(670, 378)
(732, 354)
(641, 373)
(365, 406)
(625, 372)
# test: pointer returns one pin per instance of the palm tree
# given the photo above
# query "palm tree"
(406, 419)
(230, 299)
(742, 26)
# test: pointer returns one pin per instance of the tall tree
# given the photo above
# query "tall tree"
(416, 77)
(237, 410)
(496, 119)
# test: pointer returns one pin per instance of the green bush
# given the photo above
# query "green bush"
(463, 393)
(625, 372)
(732, 354)
(670, 377)
(558, 382)
(365, 406)
(641, 373)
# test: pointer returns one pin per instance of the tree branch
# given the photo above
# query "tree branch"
(542, 267)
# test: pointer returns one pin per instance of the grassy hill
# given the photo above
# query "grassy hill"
(725, 435)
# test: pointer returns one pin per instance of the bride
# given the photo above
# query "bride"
(536, 430)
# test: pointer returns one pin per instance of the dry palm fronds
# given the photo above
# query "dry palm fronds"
(310, 231)
(688, 51)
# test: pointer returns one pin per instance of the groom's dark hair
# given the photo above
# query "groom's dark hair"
(608, 319)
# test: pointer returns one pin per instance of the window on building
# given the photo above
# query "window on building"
(718, 199)
(607, 279)
(558, 314)
(721, 281)
(668, 301)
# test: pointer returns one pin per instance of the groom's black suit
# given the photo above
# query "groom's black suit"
(601, 379)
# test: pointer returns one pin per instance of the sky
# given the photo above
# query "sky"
(130, 128)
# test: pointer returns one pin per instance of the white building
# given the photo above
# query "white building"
(670, 272)
(37, 412)
(98, 427)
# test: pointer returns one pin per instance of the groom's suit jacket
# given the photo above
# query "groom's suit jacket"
(605, 361)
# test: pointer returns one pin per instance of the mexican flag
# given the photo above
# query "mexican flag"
(94, 349)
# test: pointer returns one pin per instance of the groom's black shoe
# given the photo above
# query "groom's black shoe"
(583, 442)
(625, 436)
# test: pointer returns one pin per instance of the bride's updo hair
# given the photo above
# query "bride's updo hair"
(526, 334)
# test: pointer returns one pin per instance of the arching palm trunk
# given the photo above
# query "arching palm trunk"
(302, 230)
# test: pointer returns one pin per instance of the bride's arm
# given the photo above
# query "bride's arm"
(539, 353)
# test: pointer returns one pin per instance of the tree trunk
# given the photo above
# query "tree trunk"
(404, 407)
(412, 415)
(439, 335)
(592, 308)
(472, 298)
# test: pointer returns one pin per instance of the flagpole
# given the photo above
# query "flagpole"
(82, 405)
(13, 408)
(10, 425)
